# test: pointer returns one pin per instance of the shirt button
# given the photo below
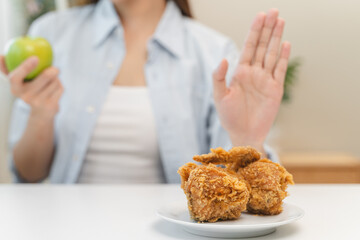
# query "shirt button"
(109, 65)
(75, 158)
(90, 109)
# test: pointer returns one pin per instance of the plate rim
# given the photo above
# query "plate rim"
(230, 227)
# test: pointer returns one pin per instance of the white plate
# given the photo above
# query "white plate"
(246, 226)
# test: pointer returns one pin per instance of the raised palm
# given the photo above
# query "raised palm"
(248, 106)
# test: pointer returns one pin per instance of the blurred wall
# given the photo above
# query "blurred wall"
(323, 114)
(4, 95)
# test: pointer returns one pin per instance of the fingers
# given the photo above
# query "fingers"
(57, 94)
(281, 66)
(49, 90)
(252, 40)
(3, 67)
(274, 45)
(219, 80)
(266, 33)
(38, 84)
(49, 97)
(19, 74)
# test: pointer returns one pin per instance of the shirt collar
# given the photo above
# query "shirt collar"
(105, 21)
(169, 32)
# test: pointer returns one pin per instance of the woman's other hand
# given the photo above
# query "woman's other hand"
(33, 153)
(248, 107)
(42, 93)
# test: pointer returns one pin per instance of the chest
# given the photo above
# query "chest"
(177, 85)
(177, 90)
(131, 71)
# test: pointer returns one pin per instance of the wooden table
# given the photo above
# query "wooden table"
(322, 167)
(59, 212)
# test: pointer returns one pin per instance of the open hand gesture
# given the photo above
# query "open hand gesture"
(248, 106)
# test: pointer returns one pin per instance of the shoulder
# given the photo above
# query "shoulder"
(58, 21)
(209, 39)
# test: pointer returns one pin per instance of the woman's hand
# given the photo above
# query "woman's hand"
(248, 107)
(42, 94)
(33, 153)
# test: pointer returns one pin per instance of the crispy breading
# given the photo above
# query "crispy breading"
(213, 193)
(242, 156)
(268, 182)
(217, 156)
(234, 159)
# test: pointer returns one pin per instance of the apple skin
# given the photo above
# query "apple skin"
(19, 49)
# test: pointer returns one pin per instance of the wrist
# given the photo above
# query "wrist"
(41, 116)
(255, 143)
(246, 141)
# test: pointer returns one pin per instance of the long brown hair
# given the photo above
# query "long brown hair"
(183, 5)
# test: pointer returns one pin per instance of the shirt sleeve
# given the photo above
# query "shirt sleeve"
(21, 110)
(217, 135)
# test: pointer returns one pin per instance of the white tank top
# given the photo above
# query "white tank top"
(124, 145)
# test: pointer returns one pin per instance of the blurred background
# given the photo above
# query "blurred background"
(317, 129)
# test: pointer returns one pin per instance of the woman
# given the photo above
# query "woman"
(139, 100)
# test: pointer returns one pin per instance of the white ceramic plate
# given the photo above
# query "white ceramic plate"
(246, 226)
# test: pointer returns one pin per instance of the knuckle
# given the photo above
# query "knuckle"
(272, 53)
(26, 97)
(262, 44)
(250, 44)
(14, 79)
(55, 70)
(214, 75)
(282, 67)
(49, 73)
(26, 67)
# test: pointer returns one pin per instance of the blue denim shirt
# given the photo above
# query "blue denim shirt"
(89, 48)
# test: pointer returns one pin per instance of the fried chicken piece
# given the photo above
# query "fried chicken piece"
(268, 182)
(213, 193)
(233, 159)
(246, 182)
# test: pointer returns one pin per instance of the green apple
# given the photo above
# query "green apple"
(19, 49)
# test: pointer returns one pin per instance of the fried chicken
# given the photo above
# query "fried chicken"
(233, 159)
(268, 182)
(213, 193)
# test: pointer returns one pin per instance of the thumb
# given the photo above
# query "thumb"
(219, 80)
(3, 67)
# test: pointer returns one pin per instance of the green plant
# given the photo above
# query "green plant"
(290, 78)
